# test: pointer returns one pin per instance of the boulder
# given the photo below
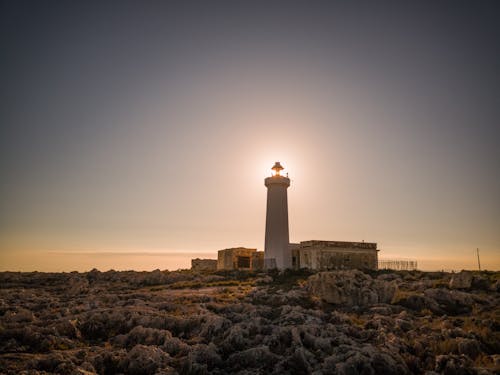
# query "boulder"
(385, 290)
(155, 277)
(77, 285)
(454, 365)
(205, 355)
(350, 288)
(67, 328)
(480, 282)
(469, 347)
(349, 360)
(87, 366)
(403, 324)
(417, 302)
(236, 338)
(92, 328)
(145, 360)
(147, 336)
(20, 315)
(213, 325)
(82, 371)
(381, 310)
(258, 357)
(109, 361)
(452, 302)
(461, 280)
(266, 279)
(496, 286)
(298, 363)
(167, 370)
(50, 362)
(174, 346)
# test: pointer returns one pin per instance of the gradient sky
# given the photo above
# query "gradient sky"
(136, 135)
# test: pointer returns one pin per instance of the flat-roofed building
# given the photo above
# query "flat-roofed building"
(203, 264)
(331, 255)
(240, 258)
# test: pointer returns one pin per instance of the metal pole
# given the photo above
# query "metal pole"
(478, 262)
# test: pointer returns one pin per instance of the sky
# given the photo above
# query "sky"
(137, 135)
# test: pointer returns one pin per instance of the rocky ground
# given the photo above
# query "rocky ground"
(343, 322)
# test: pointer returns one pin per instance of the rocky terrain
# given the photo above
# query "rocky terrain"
(342, 322)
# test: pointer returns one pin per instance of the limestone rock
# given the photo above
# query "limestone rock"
(350, 288)
(418, 302)
(266, 279)
(481, 283)
(213, 324)
(109, 362)
(461, 280)
(453, 364)
(145, 360)
(452, 302)
(78, 285)
(258, 357)
(67, 328)
(469, 347)
(204, 355)
(124, 326)
(147, 336)
(20, 316)
(366, 360)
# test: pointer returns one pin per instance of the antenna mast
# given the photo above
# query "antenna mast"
(478, 262)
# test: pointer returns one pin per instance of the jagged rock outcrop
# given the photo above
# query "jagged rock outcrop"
(350, 288)
(338, 322)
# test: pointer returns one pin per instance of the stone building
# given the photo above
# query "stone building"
(203, 264)
(240, 258)
(331, 255)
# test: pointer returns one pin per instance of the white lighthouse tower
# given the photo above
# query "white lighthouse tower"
(276, 251)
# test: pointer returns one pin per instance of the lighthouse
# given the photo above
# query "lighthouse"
(276, 250)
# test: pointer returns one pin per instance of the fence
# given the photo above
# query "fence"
(398, 265)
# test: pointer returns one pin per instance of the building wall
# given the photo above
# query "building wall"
(315, 255)
(328, 255)
(203, 264)
(239, 258)
(258, 261)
